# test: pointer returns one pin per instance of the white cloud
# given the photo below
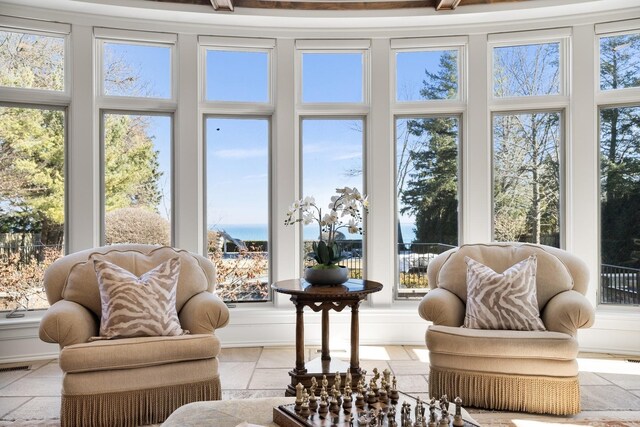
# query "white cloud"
(240, 153)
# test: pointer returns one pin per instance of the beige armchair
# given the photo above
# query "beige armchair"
(528, 371)
(132, 381)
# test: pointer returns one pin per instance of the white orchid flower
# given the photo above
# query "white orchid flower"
(308, 202)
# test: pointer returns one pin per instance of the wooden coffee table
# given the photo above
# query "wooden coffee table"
(325, 298)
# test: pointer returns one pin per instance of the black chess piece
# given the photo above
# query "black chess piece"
(359, 401)
(457, 418)
(346, 403)
(313, 402)
(323, 409)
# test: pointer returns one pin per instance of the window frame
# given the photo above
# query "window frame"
(612, 96)
(238, 110)
(609, 99)
(562, 36)
(270, 89)
(534, 104)
(428, 109)
(417, 293)
(563, 157)
(345, 46)
(434, 44)
(103, 36)
(128, 105)
(45, 99)
(36, 95)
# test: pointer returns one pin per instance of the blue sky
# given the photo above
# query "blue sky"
(237, 149)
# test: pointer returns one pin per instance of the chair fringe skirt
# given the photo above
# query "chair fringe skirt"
(136, 407)
(519, 393)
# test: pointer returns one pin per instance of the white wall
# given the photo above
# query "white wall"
(383, 320)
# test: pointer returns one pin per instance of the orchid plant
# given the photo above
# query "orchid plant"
(344, 212)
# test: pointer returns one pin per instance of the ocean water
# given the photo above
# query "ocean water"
(253, 232)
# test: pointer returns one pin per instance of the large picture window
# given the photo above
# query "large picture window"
(332, 158)
(238, 205)
(427, 191)
(620, 204)
(137, 178)
(526, 177)
(32, 202)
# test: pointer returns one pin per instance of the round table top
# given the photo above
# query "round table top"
(349, 289)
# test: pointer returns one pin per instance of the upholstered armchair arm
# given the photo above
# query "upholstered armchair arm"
(567, 312)
(67, 323)
(204, 313)
(442, 308)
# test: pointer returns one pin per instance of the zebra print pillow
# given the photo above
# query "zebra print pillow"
(138, 306)
(502, 301)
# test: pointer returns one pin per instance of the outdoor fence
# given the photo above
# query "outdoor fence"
(619, 285)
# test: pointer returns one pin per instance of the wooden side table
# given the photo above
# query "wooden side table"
(325, 298)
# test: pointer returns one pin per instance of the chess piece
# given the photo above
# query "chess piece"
(334, 406)
(363, 421)
(373, 385)
(405, 415)
(348, 379)
(299, 391)
(347, 399)
(391, 414)
(338, 381)
(325, 382)
(313, 402)
(323, 393)
(433, 420)
(386, 374)
(359, 398)
(304, 408)
(394, 395)
(382, 395)
(371, 395)
(457, 418)
(323, 409)
(444, 413)
(419, 412)
(314, 385)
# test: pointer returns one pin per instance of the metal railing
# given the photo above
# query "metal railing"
(413, 261)
(619, 285)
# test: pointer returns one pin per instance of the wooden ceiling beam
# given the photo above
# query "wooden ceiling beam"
(222, 5)
(447, 4)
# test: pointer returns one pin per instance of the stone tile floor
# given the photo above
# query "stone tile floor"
(610, 385)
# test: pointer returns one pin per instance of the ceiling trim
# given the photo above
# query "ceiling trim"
(337, 5)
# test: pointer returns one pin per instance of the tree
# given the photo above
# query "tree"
(432, 188)
(431, 162)
(131, 164)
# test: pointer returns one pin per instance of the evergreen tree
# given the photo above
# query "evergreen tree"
(432, 185)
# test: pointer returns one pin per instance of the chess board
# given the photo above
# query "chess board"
(286, 415)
